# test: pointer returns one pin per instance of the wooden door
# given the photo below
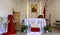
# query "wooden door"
(17, 19)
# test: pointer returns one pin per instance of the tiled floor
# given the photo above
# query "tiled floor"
(55, 31)
(42, 34)
(51, 34)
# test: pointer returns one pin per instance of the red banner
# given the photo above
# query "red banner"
(44, 12)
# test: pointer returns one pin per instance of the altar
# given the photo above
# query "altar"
(36, 23)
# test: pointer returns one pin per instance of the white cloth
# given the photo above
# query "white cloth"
(39, 21)
(2, 29)
(34, 33)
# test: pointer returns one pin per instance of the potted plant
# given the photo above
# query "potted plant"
(24, 28)
(47, 28)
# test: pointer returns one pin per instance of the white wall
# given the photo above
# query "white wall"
(22, 8)
(50, 10)
(34, 15)
(40, 6)
(57, 9)
(6, 7)
(53, 9)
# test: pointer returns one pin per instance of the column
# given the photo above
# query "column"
(41, 8)
(27, 9)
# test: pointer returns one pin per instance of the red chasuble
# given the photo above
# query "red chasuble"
(11, 29)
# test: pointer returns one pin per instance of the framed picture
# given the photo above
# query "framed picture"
(34, 8)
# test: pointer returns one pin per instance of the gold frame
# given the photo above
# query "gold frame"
(34, 8)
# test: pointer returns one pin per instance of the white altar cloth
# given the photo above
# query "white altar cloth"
(40, 21)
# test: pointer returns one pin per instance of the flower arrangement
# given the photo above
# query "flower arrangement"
(24, 28)
(47, 28)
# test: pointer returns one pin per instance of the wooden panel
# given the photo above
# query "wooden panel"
(17, 18)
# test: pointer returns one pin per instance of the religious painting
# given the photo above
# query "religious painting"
(34, 8)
